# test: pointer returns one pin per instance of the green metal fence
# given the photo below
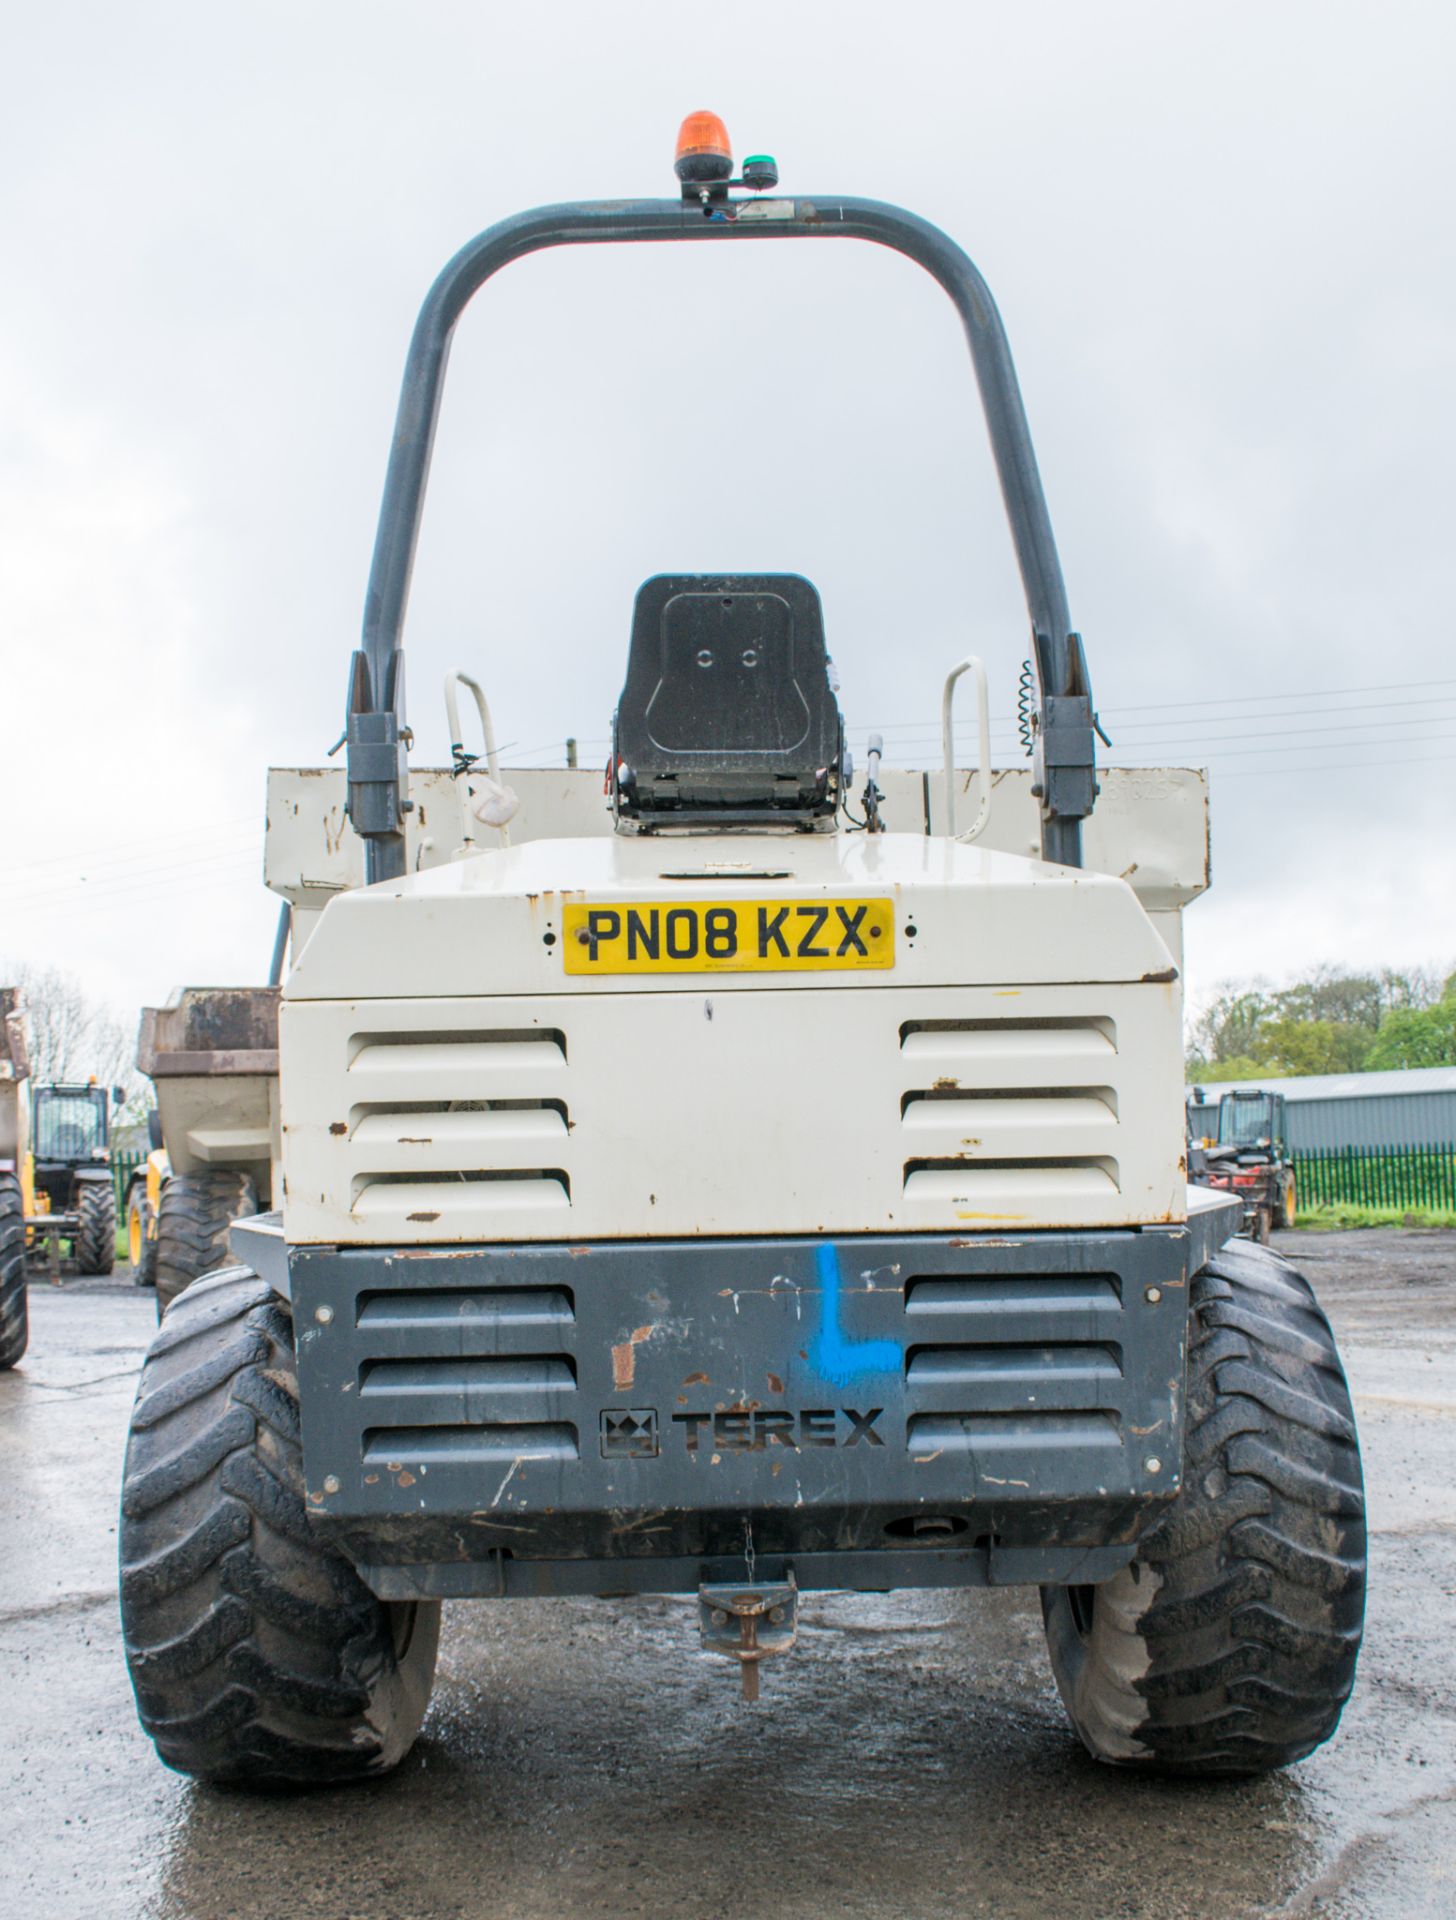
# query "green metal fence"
(123, 1166)
(1375, 1177)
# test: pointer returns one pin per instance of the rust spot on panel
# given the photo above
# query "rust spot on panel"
(416, 1140)
(404, 1478)
(624, 1358)
(1161, 978)
(945, 1085)
(775, 1384)
(696, 1380)
(422, 1216)
(338, 1126)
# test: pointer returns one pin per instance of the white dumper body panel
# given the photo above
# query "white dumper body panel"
(447, 1078)
(1150, 827)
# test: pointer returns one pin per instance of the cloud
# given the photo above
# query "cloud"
(1219, 238)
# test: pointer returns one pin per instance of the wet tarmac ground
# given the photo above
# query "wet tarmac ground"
(909, 1758)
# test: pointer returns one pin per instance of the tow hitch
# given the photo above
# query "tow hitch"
(748, 1623)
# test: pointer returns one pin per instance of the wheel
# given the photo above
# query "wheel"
(1288, 1202)
(192, 1224)
(1228, 1646)
(258, 1655)
(14, 1319)
(95, 1242)
(141, 1250)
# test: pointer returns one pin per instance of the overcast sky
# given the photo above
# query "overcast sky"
(1222, 240)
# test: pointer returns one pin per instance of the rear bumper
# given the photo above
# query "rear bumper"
(916, 1410)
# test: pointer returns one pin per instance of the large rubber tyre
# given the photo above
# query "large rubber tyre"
(95, 1242)
(258, 1656)
(14, 1316)
(193, 1217)
(1229, 1645)
(141, 1246)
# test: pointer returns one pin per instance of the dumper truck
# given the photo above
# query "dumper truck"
(766, 1175)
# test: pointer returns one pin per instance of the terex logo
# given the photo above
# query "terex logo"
(745, 1430)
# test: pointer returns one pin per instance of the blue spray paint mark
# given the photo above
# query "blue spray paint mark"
(840, 1361)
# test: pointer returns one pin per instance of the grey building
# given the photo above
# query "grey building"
(1412, 1108)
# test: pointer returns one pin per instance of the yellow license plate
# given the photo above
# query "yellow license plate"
(728, 936)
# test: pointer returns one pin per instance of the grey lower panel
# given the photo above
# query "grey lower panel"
(689, 1400)
(1213, 1220)
(258, 1242)
(502, 1578)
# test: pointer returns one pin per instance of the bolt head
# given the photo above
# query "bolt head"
(1153, 1463)
(323, 1315)
(1153, 1295)
(331, 1483)
(720, 1619)
(776, 1614)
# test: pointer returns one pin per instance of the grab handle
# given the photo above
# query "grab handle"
(971, 664)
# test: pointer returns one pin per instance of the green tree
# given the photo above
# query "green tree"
(1316, 1046)
(1230, 1026)
(1333, 1022)
(1246, 1071)
(1424, 1037)
(1330, 998)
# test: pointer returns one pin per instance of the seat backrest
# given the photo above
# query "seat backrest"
(728, 704)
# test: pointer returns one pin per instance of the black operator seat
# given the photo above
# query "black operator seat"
(728, 712)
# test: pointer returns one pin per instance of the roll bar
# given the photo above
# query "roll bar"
(1064, 766)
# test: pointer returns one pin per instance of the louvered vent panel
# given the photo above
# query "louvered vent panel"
(1007, 1362)
(459, 1375)
(1000, 1117)
(470, 1124)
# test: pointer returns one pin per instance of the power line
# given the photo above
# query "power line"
(1309, 713)
(155, 845)
(109, 882)
(109, 892)
(1215, 745)
(1323, 693)
(1230, 750)
(86, 901)
(1356, 766)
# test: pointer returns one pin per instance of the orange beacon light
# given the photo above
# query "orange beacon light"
(704, 152)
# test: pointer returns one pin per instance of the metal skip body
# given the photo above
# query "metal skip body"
(900, 1411)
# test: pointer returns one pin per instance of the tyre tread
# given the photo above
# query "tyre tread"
(257, 1654)
(14, 1309)
(1251, 1591)
(95, 1242)
(192, 1226)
